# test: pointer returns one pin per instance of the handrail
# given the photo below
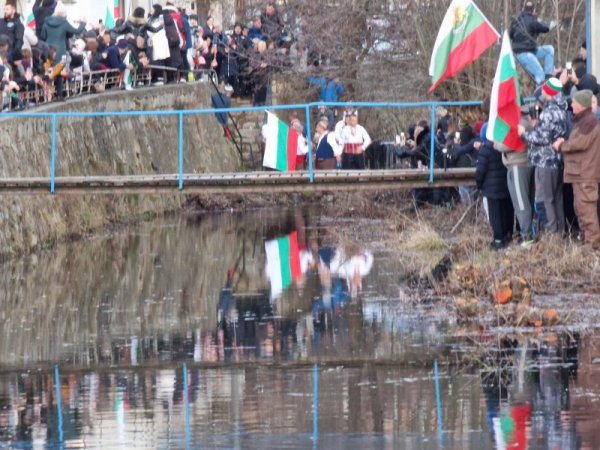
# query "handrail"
(182, 113)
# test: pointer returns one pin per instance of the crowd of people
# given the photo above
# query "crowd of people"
(550, 187)
(55, 51)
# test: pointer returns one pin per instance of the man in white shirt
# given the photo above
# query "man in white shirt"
(354, 139)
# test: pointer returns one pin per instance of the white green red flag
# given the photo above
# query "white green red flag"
(505, 104)
(30, 21)
(283, 263)
(281, 144)
(464, 35)
(113, 12)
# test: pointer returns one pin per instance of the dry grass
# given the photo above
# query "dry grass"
(552, 266)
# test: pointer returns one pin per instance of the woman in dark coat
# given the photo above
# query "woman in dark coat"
(229, 71)
(175, 61)
(57, 30)
(490, 175)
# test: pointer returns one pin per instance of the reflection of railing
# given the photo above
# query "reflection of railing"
(180, 114)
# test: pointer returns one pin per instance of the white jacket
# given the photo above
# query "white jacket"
(159, 41)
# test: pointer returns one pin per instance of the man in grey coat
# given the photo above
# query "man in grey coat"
(520, 184)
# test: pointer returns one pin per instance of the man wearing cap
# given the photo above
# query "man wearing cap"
(117, 58)
(551, 125)
(355, 140)
(582, 164)
(524, 31)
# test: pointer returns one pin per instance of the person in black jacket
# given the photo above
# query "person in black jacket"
(524, 31)
(11, 26)
(42, 9)
(490, 175)
(463, 154)
(175, 61)
(229, 65)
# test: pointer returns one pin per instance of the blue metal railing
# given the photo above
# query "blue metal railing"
(180, 114)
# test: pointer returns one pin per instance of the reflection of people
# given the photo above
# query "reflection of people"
(543, 394)
(352, 269)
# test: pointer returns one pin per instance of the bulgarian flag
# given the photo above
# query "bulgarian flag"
(283, 263)
(113, 12)
(465, 34)
(505, 105)
(30, 22)
(281, 144)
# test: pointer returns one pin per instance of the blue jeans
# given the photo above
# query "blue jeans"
(531, 63)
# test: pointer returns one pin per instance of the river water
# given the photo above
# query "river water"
(269, 330)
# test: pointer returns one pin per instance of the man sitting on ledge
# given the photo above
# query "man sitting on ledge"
(524, 31)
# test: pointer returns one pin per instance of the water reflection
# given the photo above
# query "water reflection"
(250, 303)
(537, 405)
(219, 288)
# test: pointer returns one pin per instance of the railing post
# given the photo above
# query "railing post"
(186, 401)
(315, 408)
(58, 401)
(180, 150)
(432, 145)
(53, 155)
(438, 400)
(311, 175)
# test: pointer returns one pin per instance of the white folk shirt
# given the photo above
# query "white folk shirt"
(352, 138)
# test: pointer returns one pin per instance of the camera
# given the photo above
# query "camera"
(535, 111)
(569, 67)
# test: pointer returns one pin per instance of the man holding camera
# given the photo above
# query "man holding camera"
(524, 31)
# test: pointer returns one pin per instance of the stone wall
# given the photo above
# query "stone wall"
(104, 146)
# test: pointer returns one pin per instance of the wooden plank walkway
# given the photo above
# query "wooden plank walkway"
(247, 182)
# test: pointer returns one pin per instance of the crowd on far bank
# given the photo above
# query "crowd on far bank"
(550, 187)
(180, 47)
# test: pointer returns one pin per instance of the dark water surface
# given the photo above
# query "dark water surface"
(269, 331)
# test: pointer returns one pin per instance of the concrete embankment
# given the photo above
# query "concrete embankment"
(114, 145)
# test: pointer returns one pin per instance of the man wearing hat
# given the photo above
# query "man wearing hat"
(118, 58)
(551, 125)
(582, 164)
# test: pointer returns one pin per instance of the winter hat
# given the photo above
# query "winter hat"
(139, 13)
(123, 44)
(584, 98)
(552, 87)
